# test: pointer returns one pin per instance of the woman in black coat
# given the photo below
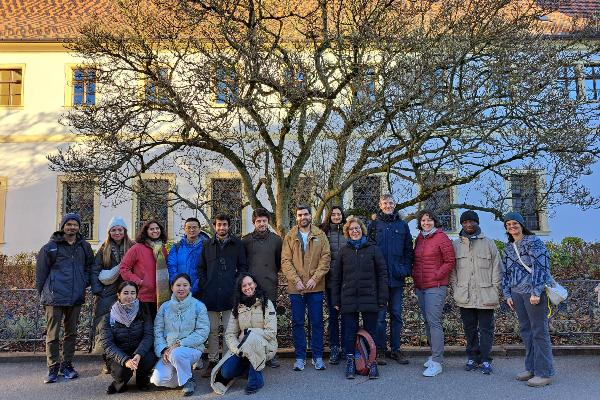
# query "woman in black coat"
(127, 336)
(359, 285)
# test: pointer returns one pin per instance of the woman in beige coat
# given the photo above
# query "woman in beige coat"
(251, 337)
(475, 284)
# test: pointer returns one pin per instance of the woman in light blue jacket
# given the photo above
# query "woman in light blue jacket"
(180, 329)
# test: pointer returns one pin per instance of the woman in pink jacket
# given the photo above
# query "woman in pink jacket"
(434, 260)
(145, 264)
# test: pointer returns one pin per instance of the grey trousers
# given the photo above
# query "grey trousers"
(535, 333)
(431, 302)
(213, 337)
(55, 316)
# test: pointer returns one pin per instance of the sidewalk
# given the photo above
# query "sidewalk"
(577, 378)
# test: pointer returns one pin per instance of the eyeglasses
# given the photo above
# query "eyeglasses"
(192, 228)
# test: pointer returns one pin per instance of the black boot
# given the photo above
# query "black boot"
(350, 368)
(373, 371)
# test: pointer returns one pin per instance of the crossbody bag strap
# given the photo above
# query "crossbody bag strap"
(520, 259)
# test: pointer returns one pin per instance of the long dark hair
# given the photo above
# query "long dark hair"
(142, 236)
(238, 295)
(327, 220)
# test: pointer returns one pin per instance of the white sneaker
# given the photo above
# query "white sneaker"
(435, 368)
(427, 363)
(299, 364)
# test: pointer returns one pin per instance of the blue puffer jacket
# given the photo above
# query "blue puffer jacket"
(63, 271)
(185, 257)
(393, 237)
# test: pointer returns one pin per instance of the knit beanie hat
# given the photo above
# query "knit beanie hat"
(469, 215)
(116, 221)
(513, 216)
(70, 217)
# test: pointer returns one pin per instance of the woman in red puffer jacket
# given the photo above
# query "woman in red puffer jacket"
(434, 260)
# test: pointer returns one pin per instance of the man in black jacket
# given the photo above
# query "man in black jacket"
(63, 271)
(222, 259)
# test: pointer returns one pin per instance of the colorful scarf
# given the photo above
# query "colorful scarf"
(124, 313)
(163, 290)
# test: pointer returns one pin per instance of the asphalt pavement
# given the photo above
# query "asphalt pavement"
(577, 379)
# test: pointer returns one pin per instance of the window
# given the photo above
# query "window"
(524, 194)
(11, 87)
(440, 200)
(84, 87)
(301, 194)
(3, 191)
(365, 195)
(226, 197)
(591, 82)
(567, 82)
(152, 201)
(77, 196)
(154, 90)
(227, 86)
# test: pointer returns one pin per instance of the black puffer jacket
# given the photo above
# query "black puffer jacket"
(359, 280)
(106, 295)
(120, 343)
(63, 271)
(337, 240)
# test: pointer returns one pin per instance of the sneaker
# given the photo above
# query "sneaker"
(373, 371)
(427, 363)
(471, 365)
(68, 371)
(318, 363)
(208, 370)
(538, 381)
(299, 364)
(251, 390)
(334, 355)
(435, 368)
(350, 367)
(188, 387)
(381, 357)
(199, 365)
(273, 362)
(524, 376)
(399, 356)
(486, 368)
(52, 374)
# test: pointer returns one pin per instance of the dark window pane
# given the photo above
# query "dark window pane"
(153, 202)
(78, 197)
(440, 200)
(524, 192)
(227, 198)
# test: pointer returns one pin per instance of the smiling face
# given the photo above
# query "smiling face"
(192, 230)
(117, 233)
(181, 288)
(261, 224)
(336, 216)
(469, 226)
(355, 231)
(427, 223)
(71, 227)
(154, 231)
(248, 286)
(514, 228)
(127, 295)
(303, 218)
(387, 205)
(222, 228)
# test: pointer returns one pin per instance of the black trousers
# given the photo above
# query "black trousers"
(479, 332)
(121, 374)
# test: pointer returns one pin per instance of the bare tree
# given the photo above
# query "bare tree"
(332, 91)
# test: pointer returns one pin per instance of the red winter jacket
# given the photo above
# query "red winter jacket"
(434, 260)
(139, 265)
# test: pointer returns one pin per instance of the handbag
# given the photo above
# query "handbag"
(109, 276)
(555, 291)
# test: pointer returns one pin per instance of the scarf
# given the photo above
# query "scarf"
(248, 301)
(428, 233)
(124, 313)
(179, 307)
(260, 235)
(117, 251)
(163, 291)
(356, 244)
(472, 236)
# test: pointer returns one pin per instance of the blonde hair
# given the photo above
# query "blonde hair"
(106, 248)
(357, 220)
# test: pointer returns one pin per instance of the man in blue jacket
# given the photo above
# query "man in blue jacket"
(184, 256)
(62, 273)
(393, 237)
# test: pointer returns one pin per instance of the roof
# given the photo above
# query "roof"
(57, 20)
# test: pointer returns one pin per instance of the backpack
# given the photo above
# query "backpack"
(366, 352)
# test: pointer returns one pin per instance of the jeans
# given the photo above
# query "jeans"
(333, 325)
(240, 366)
(314, 303)
(55, 316)
(431, 302)
(395, 309)
(121, 374)
(350, 320)
(533, 323)
(479, 332)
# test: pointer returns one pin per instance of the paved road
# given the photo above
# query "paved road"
(577, 379)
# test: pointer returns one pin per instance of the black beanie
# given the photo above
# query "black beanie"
(469, 215)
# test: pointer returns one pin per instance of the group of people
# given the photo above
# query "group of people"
(156, 309)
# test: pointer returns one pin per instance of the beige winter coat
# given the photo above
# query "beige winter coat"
(302, 266)
(476, 278)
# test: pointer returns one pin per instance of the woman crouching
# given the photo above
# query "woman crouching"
(251, 337)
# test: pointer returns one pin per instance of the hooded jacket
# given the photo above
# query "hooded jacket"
(63, 271)
(185, 257)
(434, 260)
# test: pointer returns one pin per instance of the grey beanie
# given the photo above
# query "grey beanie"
(469, 215)
(70, 217)
(513, 216)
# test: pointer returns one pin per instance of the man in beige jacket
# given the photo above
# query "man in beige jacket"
(475, 284)
(305, 257)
